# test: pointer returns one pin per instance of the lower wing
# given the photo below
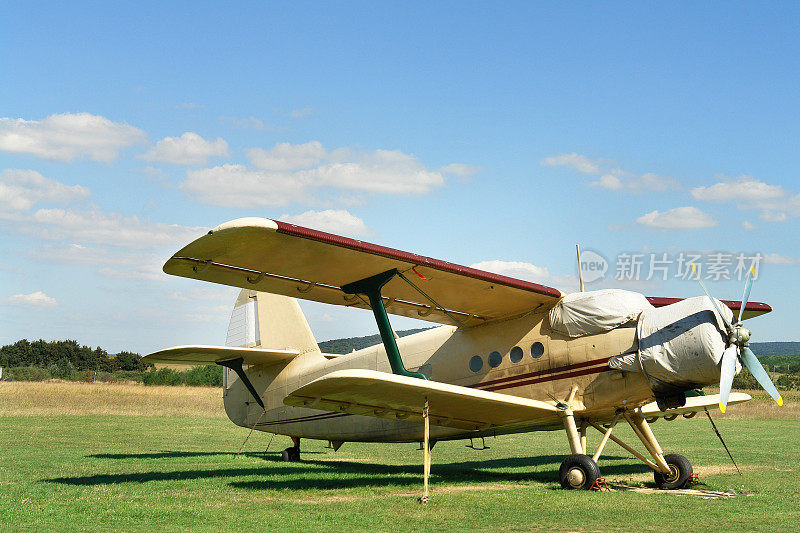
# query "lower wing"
(379, 394)
(693, 405)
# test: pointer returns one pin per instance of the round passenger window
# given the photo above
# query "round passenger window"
(476, 363)
(495, 359)
(537, 349)
(516, 354)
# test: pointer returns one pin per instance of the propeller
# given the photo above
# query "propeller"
(738, 336)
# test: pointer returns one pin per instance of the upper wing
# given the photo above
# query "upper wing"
(371, 393)
(203, 355)
(750, 310)
(694, 404)
(273, 256)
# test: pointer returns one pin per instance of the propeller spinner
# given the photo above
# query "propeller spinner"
(738, 336)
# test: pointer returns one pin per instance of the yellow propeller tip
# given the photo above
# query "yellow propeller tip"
(722, 408)
(694, 268)
(753, 271)
(780, 400)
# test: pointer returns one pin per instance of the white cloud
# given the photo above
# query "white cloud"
(748, 226)
(34, 299)
(293, 173)
(250, 123)
(528, 272)
(612, 177)
(286, 156)
(578, 162)
(336, 221)
(188, 149)
(97, 227)
(744, 188)
(68, 136)
(20, 190)
(678, 218)
(460, 169)
(237, 186)
(609, 182)
(777, 259)
(382, 171)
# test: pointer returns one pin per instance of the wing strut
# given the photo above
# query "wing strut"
(371, 287)
(236, 366)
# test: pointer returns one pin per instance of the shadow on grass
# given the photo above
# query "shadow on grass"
(176, 455)
(326, 475)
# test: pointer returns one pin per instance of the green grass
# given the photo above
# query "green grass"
(77, 472)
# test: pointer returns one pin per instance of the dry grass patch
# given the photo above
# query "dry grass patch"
(77, 398)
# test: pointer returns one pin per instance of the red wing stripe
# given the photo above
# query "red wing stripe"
(545, 372)
(391, 253)
(734, 305)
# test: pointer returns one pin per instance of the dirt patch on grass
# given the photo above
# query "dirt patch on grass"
(76, 398)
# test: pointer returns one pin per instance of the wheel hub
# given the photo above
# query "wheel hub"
(576, 477)
(673, 475)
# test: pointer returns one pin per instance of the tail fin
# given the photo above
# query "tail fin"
(271, 321)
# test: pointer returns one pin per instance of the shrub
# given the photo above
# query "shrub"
(205, 375)
(28, 373)
(162, 376)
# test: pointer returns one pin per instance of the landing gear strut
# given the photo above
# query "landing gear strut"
(292, 453)
(579, 471)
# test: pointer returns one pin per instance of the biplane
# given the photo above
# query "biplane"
(508, 355)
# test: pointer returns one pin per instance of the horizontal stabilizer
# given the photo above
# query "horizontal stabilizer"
(379, 394)
(694, 404)
(204, 355)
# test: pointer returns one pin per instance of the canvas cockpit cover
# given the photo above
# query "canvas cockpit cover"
(680, 345)
(587, 313)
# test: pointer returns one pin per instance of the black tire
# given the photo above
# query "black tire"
(681, 471)
(578, 472)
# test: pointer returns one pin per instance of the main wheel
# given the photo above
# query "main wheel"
(578, 472)
(680, 471)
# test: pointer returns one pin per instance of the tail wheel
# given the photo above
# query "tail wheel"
(578, 472)
(291, 455)
(680, 471)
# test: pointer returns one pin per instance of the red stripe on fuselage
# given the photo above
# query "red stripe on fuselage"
(547, 374)
(547, 378)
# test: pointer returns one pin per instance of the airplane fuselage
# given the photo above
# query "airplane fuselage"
(520, 357)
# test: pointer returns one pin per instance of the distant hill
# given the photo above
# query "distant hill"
(775, 348)
(342, 346)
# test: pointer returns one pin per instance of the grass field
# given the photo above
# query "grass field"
(93, 457)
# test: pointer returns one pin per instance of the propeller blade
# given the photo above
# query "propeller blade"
(752, 363)
(728, 369)
(746, 294)
(713, 301)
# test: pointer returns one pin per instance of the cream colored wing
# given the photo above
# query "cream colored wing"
(371, 393)
(280, 258)
(203, 355)
(694, 404)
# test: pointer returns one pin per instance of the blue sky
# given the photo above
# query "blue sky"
(496, 134)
